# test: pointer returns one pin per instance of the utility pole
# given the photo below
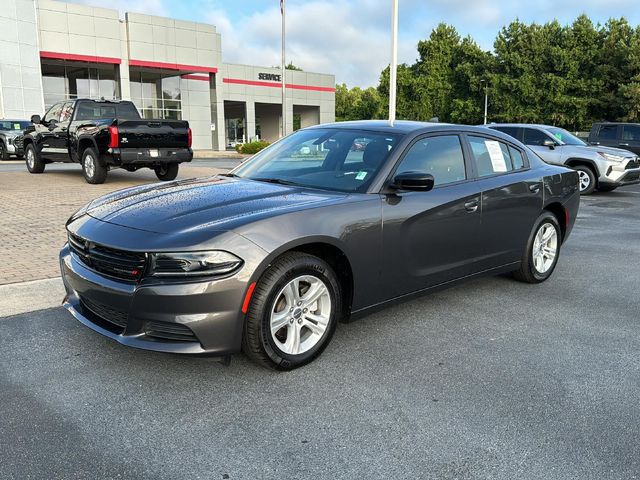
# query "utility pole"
(393, 67)
(486, 99)
(284, 72)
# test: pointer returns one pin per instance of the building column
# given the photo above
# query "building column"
(289, 127)
(123, 69)
(218, 122)
(250, 121)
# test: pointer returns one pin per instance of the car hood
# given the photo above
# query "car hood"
(215, 203)
(610, 150)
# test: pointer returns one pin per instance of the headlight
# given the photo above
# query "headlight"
(192, 264)
(611, 158)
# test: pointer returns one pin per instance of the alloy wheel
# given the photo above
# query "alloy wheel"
(89, 166)
(585, 180)
(300, 315)
(30, 159)
(545, 248)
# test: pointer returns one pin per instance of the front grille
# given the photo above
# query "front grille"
(633, 164)
(170, 331)
(106, 312)
(120, 264)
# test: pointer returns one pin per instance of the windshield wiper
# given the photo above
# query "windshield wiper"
(278, 181)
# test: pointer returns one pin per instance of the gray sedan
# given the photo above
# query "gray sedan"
(311, 231)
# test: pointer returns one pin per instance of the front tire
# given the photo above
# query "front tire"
(543, 249)
(33, 161)
(4, 155)
(586, 179)
(94, 172)
(167, 172)
(293, 312)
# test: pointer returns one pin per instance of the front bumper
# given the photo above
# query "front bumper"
(200, 317)
(619, 175)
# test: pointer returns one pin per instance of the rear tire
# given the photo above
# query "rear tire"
(540, 257)
(293, 312)
(94, 172)
(167, 172)
(587, 179)
(33, 160)
(607, 188)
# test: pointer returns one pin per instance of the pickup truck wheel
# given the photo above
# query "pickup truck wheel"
(167, 172)
(94, 172)
(607, 188)
(543, 248)
(587, 179)
(3, 152)
(33, 161)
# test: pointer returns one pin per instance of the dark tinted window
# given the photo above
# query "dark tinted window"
(608, 132)
(13, 125)
(513, 131)
(533, 136)
(631, 132)
(440, 156)
(97, 110)
(491, 156)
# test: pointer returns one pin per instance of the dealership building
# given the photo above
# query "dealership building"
(52, 51)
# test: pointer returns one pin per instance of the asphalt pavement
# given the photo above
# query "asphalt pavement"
(492, 379)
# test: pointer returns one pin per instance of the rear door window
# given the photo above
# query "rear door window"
(494, 157)
(631, 132)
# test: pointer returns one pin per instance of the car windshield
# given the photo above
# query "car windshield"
(565, 137)
(344, 160)
(16, 125)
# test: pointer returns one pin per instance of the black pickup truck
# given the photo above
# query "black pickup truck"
(101, 135)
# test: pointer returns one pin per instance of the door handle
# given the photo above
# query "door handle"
(595, 143)
(471, 206)
(534, 188)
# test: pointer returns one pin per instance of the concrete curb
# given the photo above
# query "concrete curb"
(25, 297)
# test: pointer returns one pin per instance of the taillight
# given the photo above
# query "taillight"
(189, 137)
(113, 137)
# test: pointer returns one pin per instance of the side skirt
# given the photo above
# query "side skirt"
(363, 312)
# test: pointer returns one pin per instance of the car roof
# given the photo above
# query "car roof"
(401, 126)
(534, 125)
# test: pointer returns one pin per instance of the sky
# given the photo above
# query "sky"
(350, 38)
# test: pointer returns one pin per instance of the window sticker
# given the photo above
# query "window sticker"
(558, 136)
(16, 126)
(497, 158)
(361, 175)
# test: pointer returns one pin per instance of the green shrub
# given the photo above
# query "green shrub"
(238, 147)
(253, 147)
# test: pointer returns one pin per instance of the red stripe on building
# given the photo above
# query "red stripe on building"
(172, 66)
(255, 83)
(80, 58)
(195, 77)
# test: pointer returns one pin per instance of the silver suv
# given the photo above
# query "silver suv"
(602, 168)
(9, 131)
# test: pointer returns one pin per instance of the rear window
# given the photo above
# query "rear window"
(98, 110)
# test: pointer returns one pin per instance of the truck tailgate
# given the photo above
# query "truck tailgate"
(153, 133)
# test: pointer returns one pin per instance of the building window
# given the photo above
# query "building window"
(71, 80)
(156, 95)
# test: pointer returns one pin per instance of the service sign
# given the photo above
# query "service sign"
(272, 77)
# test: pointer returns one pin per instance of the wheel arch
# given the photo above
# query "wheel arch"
(575, 161)
(560, 212)
(328, 249)
(83, 144)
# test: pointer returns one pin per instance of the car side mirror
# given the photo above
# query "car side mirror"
(35, 119)
(549, 143)
(413, 181)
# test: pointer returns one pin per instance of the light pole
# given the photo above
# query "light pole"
(486, 98)
(283, 72)
(393, 67)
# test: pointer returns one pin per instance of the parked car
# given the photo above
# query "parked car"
(622, 135)
(101, 135)
(9, 131)
(270, 256)
(599, 167)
